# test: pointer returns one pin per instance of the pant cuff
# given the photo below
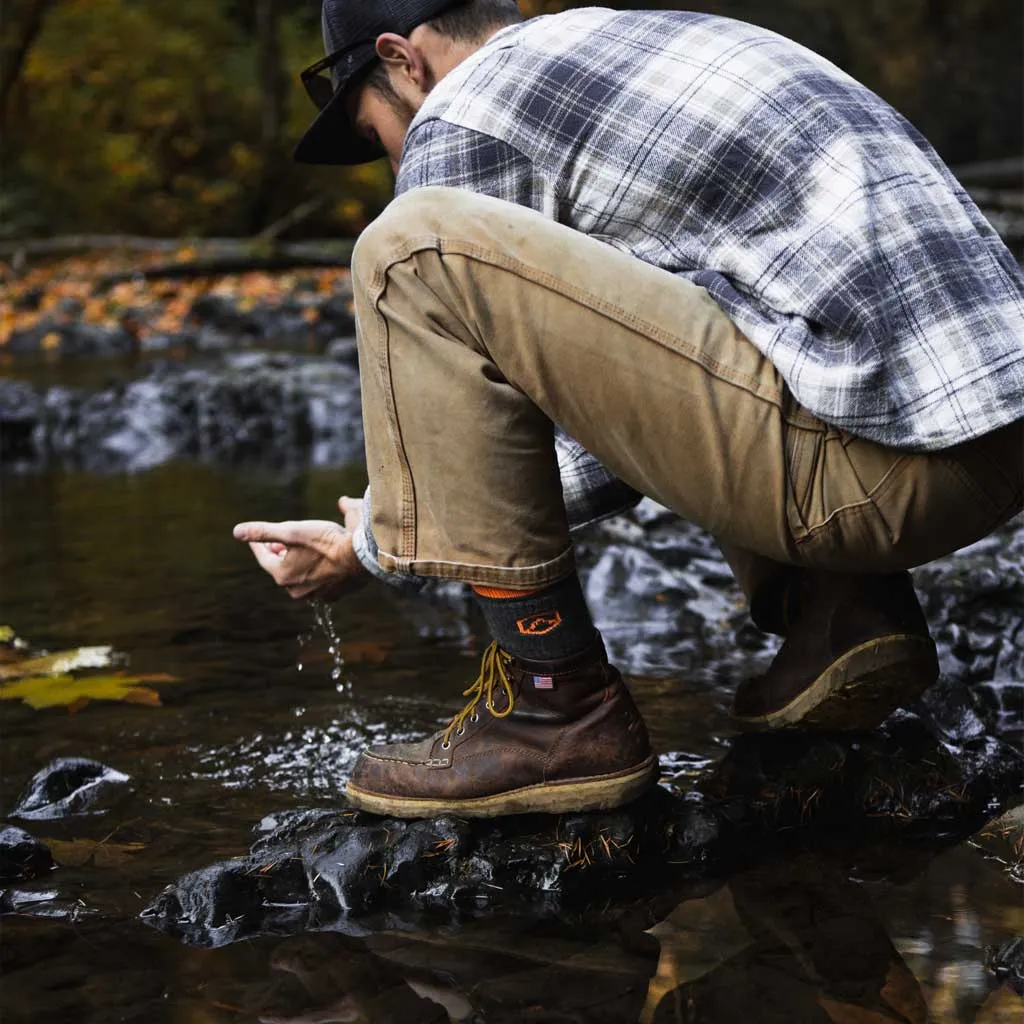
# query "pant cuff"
(519, 577)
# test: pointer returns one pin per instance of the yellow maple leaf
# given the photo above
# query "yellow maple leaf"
(74, 692)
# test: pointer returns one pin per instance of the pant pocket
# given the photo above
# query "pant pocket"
(844, 528)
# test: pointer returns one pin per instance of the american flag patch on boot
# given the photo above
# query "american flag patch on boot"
(543, 683)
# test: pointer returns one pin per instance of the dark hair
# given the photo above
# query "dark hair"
(470, 21)
(377, 79)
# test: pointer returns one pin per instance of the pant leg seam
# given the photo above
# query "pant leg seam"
(595, 303)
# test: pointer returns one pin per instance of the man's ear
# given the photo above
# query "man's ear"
(403, 59)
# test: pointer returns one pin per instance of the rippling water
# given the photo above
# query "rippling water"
(146, 562)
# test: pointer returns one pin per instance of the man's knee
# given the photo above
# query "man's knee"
(409, 222)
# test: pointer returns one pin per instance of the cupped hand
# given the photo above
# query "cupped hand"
(309, 558)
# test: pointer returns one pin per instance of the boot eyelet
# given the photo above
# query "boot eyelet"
(474, 717)
(460, 731)
(446, 746)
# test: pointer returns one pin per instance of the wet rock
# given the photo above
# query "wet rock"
(975, 606)
(665, 600)
(222, 312)
(332, 867)
(296, 320)
(336, 313)
(902, 773)
(72, 339)
(251, 406)
(1006, 962)
(20, 414)
(22, 856)
(67, 786)
(1003, 839)
(344, 350)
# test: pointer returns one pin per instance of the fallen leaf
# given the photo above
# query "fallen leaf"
(75, 853)
(70, 691)
(143, 695)
(60, 663)
(369, 652)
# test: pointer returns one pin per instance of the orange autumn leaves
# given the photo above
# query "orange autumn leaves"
(70, 291)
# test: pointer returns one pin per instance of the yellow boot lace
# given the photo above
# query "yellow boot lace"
(492, 673)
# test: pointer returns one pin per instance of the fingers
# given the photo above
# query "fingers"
(270, 559)
(308, 557)
(281, 533)
(351, 510)
(321, 535)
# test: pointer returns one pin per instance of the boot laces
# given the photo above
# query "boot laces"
(493, 673)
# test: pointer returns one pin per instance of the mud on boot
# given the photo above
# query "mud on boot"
(551, 736)
(856, 649)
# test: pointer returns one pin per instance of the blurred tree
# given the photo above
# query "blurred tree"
(176, 117)
(21, 21)
(273, 79)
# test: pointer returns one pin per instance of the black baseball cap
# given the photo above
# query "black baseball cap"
(351, 28)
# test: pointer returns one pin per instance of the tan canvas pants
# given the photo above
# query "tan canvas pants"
(481, 323)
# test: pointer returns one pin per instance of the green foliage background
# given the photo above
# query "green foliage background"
(144, 116)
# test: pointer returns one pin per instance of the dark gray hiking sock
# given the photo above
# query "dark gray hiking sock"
(543, 625)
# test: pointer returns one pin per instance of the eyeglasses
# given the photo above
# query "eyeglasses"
(316, 80)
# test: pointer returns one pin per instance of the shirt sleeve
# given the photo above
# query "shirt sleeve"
(437, 152)
(590, 491)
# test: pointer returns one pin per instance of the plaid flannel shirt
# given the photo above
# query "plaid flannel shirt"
(822, 223)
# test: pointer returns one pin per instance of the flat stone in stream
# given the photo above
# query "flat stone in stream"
(70, 785)
(22, 856)
(327, 868)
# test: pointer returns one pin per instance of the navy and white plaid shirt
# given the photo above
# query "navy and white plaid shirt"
(822, 223)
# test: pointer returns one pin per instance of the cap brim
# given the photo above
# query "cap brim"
(332, 138)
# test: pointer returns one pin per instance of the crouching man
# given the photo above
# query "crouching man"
(663, 254)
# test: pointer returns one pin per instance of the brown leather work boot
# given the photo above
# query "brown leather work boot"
(535, 736)
(857, 648)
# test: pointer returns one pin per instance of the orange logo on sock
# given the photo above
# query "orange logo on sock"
(538, 625)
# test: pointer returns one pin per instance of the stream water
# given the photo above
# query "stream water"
(146, 562)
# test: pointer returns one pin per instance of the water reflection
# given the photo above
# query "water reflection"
(795, 941)
(146, 563)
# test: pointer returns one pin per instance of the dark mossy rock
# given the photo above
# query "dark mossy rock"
(1006, 962)
(323, 868)
(22, 856)
(337, 313)
(70, 785)
(72, 339)
(20, 413)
